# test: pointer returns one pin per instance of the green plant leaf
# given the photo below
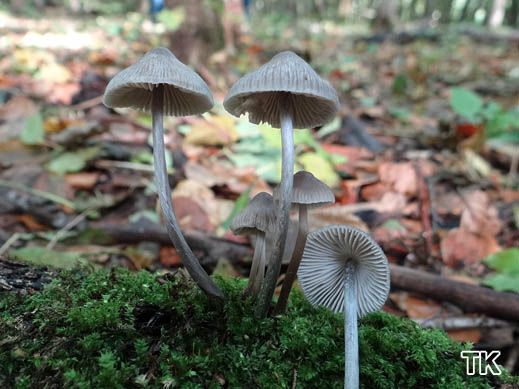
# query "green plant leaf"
(319, 167)
(72, 161)
(44, 257)
(239, 204)
(506, 261)
(172, 18)
(465, 103)
(33, 133)
(503, 282)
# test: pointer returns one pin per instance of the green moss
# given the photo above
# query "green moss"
(116, 329)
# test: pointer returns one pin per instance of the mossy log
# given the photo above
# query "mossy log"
(117, 329)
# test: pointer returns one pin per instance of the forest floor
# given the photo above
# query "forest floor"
(423, 155)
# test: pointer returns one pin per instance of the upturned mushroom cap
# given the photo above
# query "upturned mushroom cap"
(185, 93)
(310, 191)
(323, 269)
(258, 216)
(285, 79)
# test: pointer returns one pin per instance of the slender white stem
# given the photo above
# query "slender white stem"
(161, 181)
(257, 272)
(295, 260)
(351, 336)
(283, 203)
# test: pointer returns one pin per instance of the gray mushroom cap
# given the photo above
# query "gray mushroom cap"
(310, 191)
(258, 216)
(185, 93)
(285, 79)
(323, 269)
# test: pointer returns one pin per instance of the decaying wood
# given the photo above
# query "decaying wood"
(24, 278)
(470, 298)
(213, 247)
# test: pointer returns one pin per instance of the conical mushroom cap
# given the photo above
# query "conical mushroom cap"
(258, 216)
(185, 93)
(285, 79)
(310, 191)
(323, 269)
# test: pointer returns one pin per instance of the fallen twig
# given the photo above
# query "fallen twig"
(470, 298)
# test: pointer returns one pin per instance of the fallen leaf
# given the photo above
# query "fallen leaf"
(33, 132)
(401, 176)
(200, 193)
(319, 167)
(190, 215)
(83, 180)
(169, 257)
(460, 246)
(480, 216)
(41, 256)
(214, 131)
(472, 335)
(338, 214)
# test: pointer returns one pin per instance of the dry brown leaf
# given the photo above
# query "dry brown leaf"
(169, 257)
(480, 216)
(472, 335)
(17, 108)
(338, 214)
(200, 193)
(460, 246)
(401, 176)
(190, 215)
(82, 180)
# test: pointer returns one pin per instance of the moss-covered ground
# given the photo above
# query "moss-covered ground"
(116, 329)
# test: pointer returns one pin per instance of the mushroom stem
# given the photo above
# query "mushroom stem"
(351, 336)
(297, 255)
(257, 272)
(283, 208)
(164, 191)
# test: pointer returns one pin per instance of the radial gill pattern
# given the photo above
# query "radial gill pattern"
(323, 269)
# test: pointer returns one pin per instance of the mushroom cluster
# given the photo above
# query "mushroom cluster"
(288, 94)
(339, 267)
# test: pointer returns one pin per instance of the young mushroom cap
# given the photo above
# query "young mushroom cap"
(323, 269)
(185, 93)
(259, 215)
(310, 191)
(285, 81)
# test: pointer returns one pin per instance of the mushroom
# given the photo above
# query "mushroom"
(345, 270)
(257, 218)
(160, 83)
(307, 192)
(286, 93)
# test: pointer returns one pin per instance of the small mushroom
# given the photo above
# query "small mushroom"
(257, 218)
(160, 83)
(308, 192)
(286, 93)
(344, 270)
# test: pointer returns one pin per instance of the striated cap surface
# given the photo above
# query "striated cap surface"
(323, 269)
(309, 190)
(258, 216)
(185, 93)
(286, 79)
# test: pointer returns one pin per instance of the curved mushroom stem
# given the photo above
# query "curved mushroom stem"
(161, 180)
(257, 271)
(293, 266)
(351, 336)
(283, 208)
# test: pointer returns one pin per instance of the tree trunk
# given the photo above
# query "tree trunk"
(497, 13)
(511, 15)
(386, 17)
